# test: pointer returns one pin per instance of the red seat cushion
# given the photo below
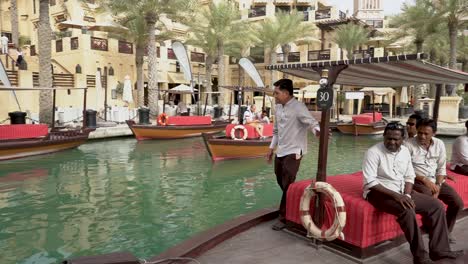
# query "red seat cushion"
(365, 226)
(23, 131)
(366, 118)
(251, 132)
(189, 120)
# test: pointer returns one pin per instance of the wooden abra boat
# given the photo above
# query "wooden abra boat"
(143, 132)
(361, 129)
(14, 148)
(222, 147)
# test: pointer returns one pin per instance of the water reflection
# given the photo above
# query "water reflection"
(138, 196)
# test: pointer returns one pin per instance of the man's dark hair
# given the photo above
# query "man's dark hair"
(264, 112)
(392, 126)
(415, 116)
(285, 84)
(427, 122)
(466, 124)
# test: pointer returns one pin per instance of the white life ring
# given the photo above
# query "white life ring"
(336, 228)
(233, 132)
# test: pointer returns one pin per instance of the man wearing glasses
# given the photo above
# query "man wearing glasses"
(460, 154)
(411, 125)
(428, 157)
(388, 186)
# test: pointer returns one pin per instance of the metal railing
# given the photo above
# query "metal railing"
(315, 55)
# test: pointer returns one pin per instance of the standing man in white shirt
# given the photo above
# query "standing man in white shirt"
(292, 120)
(4, 41)
(388, 186)
(428, 157)
(460, 154)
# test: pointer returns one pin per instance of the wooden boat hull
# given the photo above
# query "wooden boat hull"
(144, 132)
(361, 129)
(14, 149)
(222, 148)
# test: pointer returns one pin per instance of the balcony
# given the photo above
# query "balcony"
(323, 14)
(318, 55)
(292, 57)
(257, 11)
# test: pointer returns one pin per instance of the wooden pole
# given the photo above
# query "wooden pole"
(206, 103)
(164, 102)
(105, 94)
(263, 107)
(230, 105)
(338, 102)
(373, 107)
(319, 212)
(84, 107)
(435, 113)
(54, 96)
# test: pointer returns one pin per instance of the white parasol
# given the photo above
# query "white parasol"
(127, 90)
(404, 95)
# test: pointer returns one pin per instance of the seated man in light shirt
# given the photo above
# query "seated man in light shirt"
(388, 186)
(460, 154)
(264, 117)
(428, 157)
(251, 118)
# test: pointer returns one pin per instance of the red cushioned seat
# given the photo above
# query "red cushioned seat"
(366, 118)
(251, 132)
(23, 131)
(189, 120)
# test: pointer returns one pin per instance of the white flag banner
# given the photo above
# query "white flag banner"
(248, 66)
(181, 54)
(354, 95)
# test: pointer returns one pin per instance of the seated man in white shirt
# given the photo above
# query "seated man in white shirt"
(428, 156)
(388, 186)
(182, 109)
(460, 154)
(251, 118)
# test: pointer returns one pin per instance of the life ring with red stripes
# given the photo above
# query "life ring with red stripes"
(239, 127)
(339, 223)
(162, 119)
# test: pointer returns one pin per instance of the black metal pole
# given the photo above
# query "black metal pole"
(435, 111)
(230, 105)
(206, 103)
(105, 95)
(54, 95)
(239, 98)
(84, 107)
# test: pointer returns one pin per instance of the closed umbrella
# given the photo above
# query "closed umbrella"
(99, 99)
(404, 95)
(127, 90)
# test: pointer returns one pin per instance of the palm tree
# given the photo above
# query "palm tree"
(151, 12)
(14, 23)
(350, 36)
(204, 38)
(281, 31)
(418, 21)
(463, 52)
(453, 13)
(223, 20)
(45, 70)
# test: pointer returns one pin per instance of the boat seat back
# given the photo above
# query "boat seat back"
(366, 118)
(23, 131)
(189, 120)
(251, 132)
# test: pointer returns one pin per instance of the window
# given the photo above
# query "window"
(59, 45)
(322, 14)
(89, 19)
(284, 9)
(125, 47)
(197, 57)
(34, 6)
(257, 54)
(32, 50)
(60, 18)
(99, 44)
(257, 11)
(74, 43)
(171, 55)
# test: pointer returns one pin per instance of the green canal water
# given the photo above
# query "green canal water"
(142, 197)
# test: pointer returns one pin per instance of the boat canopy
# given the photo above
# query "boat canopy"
(389, 71)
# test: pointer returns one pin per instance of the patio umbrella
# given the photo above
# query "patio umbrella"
(404, 95)
(99, 101)
(71, 24)
(127, 90)
(108, 27)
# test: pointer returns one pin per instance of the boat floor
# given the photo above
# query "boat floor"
(261, 244)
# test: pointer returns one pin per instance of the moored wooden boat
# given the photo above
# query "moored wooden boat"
(375, 128)
(52, 142)
(144, 132)
(222, 147)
